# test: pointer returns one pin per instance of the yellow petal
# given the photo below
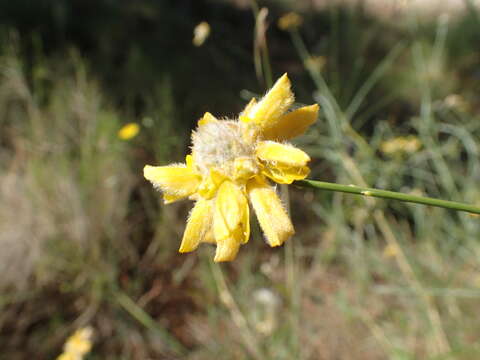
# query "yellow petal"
(271, 215)
(283, 163)
(231, 225)
(190, 162)
(210, 183)
(176, 181)
(273, 105)
(207, 118)
(168, 198)
(198, 225)
(249, 107)
(281, 154)
(227, 250)
(286, 174)
(291, 124)
(209, 238)
(230, 209)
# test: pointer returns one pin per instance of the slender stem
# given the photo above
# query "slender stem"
(357, 190)
(146, 320)
(249, 338)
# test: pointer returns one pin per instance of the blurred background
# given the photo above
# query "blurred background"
(91, 91)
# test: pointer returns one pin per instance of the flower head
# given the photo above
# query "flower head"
(231, 164)
(289, 21)
(401, 144)
(77, 345)
(128, 131)
(390, 251)
(201, 33)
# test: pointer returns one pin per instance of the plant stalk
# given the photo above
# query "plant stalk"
(392, 195)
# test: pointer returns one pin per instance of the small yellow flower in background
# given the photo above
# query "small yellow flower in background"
(402, 144)
(77, 345)
(201, 33)
(390, 251)
(456, 101)
(289, 21)
(128, 131)
(315, 62)
(231, 164)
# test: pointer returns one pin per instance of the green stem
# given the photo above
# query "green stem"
(357, 190)
(146, 320)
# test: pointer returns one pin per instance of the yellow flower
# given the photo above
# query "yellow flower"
(128, 131)
(390, 250)
(231, 164)
(315, 62)
(77, 345)
(402, 144)
(289, 21)
(456, 101)
(201, 33)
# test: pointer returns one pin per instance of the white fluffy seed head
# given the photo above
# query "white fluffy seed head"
(217, 144)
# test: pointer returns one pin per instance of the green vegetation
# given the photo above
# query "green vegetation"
(85, 240)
